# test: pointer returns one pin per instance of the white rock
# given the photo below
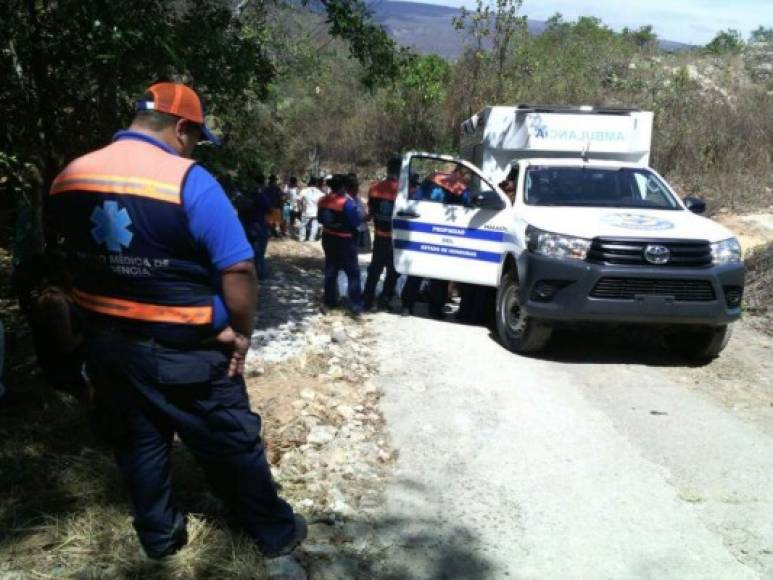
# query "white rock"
(284, 568)
(321, 434)
(339, 504)
(346, 411)
(320, 550)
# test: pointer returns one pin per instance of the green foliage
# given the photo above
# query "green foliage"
(368, 42)
(727, 41)
(762, 35)
(70, 71)
(644, 36)
(413, 104)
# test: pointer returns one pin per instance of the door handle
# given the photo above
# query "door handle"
(407, 214)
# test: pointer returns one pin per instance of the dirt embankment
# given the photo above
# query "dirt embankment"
(755, 232)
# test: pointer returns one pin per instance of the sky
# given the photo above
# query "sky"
(689, 21)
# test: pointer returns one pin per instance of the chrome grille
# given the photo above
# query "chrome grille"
(630, 252)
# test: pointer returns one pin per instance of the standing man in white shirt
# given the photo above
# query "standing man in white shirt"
(309, 197)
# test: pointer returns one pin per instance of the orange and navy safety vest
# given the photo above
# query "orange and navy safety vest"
(381, 203)
(330, 213)
(137, 266)
(451, 182)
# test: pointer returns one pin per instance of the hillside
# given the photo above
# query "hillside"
(427, 28)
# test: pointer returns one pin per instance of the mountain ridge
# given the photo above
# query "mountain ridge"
(427, 28)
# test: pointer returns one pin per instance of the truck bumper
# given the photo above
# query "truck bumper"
(575, 291)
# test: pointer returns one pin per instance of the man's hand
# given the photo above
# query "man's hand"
(239, 345)
(240, 289)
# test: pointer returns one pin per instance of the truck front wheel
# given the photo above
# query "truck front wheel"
(701, 343)
(517, 331)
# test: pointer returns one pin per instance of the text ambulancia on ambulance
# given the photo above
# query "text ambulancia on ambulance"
(558, 209)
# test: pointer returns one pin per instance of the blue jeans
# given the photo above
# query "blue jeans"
(309, 228)
(341, 254)
(144, 394)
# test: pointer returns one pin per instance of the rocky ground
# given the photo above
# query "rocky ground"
(309, 376)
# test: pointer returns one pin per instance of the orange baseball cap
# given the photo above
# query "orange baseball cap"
(178, 100)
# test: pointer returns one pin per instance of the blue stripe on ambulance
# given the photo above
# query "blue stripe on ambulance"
(449, 251)
(446, 230)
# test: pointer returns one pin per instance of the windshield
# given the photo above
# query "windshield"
(597, 187)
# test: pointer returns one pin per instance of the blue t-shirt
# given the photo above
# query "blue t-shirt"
(212, 221)
(433, 192)
(352, 213)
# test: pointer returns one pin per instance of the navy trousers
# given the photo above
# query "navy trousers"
(341, 254)
(382, 258)
(144, 394)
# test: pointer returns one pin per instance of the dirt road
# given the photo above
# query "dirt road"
(606, 457)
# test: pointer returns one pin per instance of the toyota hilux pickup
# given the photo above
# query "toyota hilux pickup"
(558, 209)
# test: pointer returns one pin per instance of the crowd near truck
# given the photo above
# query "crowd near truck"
(565, 218)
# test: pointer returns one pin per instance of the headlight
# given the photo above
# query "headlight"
(726, 252)
(556, 245)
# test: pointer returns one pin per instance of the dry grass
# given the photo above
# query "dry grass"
(759, 287)
(64, 513)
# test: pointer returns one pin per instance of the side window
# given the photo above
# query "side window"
(440, 181)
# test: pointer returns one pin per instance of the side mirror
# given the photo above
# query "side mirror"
(488, 199)
(695, 204)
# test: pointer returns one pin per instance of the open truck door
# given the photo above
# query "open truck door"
(449, 222)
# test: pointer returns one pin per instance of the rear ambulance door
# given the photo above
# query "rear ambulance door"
(433, 239)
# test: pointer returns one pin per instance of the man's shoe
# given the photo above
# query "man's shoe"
(300, 533)
(179, 537)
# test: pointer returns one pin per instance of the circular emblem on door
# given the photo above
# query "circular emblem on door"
(657, 254)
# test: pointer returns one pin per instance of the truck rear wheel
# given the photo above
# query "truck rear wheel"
(701, 343)
(517, 331)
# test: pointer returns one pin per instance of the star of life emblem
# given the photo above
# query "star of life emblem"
(111, 226)
(632, 221)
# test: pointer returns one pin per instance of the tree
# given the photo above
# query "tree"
(70, 70)
(414, 103)
(643, 37)
(493, 27)
(727, 41)
(762, 35)
(368, 42)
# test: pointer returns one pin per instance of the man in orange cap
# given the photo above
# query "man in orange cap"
(165, 277)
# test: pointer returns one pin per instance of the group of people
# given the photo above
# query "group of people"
(341, 217)
(268, 211)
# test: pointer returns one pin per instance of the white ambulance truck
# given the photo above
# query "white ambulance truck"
(586, 232)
